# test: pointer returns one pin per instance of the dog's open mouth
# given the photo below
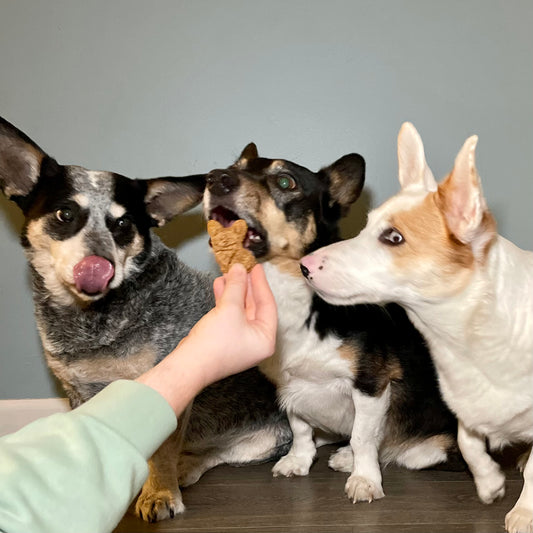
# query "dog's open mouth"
(226, 217)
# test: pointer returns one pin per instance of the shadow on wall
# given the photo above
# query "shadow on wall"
(182, 228)
(355, 221)
(15, 221)
(13, 214)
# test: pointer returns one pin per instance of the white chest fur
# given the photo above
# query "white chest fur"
(314, 382)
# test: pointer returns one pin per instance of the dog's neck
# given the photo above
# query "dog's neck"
(497, 303)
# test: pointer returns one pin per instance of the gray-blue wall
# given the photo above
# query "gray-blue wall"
(150, 88)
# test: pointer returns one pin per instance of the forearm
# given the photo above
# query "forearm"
(79, 471)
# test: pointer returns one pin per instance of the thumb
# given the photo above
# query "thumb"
(235, 289)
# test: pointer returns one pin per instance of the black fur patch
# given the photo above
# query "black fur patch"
(386, 339)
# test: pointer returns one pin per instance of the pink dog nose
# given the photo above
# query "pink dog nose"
(308, 264)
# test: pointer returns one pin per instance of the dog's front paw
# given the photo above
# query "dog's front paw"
(292, 465)
(360, 489)
(342, 459)
(490, 487)
(519, 520)
(158, 505)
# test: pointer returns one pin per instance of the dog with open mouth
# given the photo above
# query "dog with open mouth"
(111, 300)
(359, 373)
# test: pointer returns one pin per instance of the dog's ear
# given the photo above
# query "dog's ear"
(167, 197)
(463, 203)
(20, 162)
(346, 178)
(413, 170)
(248, 154)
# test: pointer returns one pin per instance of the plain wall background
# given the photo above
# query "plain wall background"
(149, 88)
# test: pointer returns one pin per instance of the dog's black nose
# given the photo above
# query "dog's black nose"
(221, 182)
(305, 270)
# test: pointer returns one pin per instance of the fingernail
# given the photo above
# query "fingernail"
(237, 270)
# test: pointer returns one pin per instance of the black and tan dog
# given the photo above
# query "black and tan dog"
(111, 301)
(362, 372)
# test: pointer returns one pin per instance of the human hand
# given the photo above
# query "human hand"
(236, 334)
(240, 330)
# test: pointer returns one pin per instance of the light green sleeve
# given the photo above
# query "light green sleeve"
(79, 471)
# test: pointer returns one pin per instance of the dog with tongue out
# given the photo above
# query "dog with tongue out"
(111, 300)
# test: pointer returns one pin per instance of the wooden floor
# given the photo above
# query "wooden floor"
(249, 499)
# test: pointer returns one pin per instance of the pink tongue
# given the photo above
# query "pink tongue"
(92, 274)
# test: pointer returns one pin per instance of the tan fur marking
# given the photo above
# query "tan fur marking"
(103, 369)
(287, 265)
(351, 354)
(430, 247)
(288, 240)
(395, 371)
(276, 166)
(394, 444)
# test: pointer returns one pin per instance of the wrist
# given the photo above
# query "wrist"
(179, 377)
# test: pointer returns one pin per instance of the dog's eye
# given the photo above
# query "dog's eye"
(65, 215)
(123, 222)
(286, 182)
(392, 237)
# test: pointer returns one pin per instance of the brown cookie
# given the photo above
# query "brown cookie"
(227, 245)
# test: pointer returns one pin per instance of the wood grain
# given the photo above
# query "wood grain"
(249, 499)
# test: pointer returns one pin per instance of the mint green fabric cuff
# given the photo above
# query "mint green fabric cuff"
(135, 411)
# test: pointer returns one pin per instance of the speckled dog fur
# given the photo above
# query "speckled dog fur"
(92, 336)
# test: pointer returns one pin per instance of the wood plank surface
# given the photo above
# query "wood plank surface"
(249, 499)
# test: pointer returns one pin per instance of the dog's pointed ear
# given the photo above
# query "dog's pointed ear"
(462, 200)
(248, 154)
(413, 170)
(20, 162)
(167, 197)
(346, 178)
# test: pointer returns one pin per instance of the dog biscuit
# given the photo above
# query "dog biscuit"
(227, 245)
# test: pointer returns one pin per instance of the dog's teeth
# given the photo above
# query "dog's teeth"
(254, 237)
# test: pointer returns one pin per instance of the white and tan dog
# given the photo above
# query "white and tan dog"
(434, 249)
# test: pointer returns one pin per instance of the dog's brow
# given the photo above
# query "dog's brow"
(82, 200)
(275, 166)
(116, 210)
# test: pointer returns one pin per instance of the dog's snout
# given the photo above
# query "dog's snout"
(221, 182)
(305, 270)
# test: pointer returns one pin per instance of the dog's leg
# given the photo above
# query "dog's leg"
(160, 496)
(364, 483)
(489, 479)
(520, 518)
(302, 453)
(253, 446)
(342, 459)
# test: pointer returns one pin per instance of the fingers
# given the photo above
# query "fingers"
(266, 310)
(249, 305)
(218, 288)
(235, 286)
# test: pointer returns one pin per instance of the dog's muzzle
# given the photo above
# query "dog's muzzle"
(221, 182)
